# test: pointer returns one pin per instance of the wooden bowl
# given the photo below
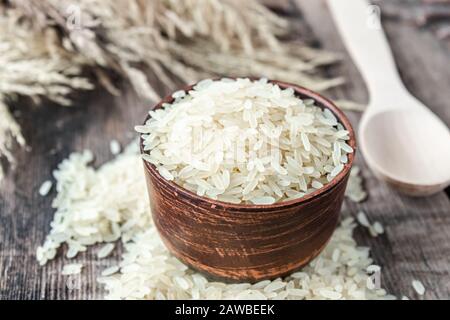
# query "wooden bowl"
(243, 242)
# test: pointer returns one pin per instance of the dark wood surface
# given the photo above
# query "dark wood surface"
(416, 244)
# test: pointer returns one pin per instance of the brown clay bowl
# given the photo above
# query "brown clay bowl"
(241, 242)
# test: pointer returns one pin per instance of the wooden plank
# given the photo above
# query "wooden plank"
(53, 132)
(417, 239)
(416, 243)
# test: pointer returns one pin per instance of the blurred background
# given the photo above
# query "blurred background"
(75, 75)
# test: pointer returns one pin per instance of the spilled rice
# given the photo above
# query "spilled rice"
(45, 188)
(418, 287)
(114, 147)
(374, 229)
(110, 203)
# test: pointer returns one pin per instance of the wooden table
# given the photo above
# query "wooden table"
(416, 244)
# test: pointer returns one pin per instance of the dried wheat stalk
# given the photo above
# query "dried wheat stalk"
(172, 40)
(29, 68)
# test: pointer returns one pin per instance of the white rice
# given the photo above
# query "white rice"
(112, 202)
(114, 147)
(245, 135)
(355, 190)
(158, 275)
(45, 188)
(362, 219)
(96, 206)
(109, 271)
(378, 227)
(418, 287)
(74, 268)
(105, 250)
(372, 231)
(375, 229)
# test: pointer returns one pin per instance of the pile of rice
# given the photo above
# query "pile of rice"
(148, 271)
(111, 203)
(355, 190)
(245, 141)
(95, 206)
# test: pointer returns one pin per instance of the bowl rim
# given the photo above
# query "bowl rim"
(298, 91)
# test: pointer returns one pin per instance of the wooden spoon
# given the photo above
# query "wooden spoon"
(402, 141)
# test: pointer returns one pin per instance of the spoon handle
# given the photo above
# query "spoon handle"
(359, 25)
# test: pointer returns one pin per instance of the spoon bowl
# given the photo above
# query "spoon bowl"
(403, 142)
(408, 148)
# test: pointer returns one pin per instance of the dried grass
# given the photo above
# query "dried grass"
(179, 40)
(46, 43)
(30, 67)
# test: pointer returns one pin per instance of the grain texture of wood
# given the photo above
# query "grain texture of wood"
(416, 244)
(53, 132)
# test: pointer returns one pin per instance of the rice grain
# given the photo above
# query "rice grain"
(148, 271)
(231, 129)
(45, 188)
(418, 287)
(71, 269)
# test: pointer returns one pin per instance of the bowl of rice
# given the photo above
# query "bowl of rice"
(246, 177)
